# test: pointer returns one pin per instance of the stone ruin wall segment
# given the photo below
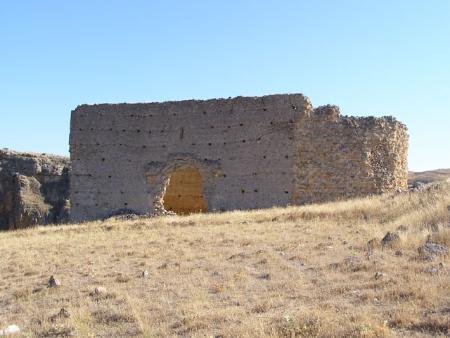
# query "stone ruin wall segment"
(252, 152)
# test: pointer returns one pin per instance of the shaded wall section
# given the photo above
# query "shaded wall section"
(184, 192)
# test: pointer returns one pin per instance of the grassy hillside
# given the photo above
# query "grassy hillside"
(428, 176)
(309, 271)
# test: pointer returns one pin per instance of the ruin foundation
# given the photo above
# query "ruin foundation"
(227, 154)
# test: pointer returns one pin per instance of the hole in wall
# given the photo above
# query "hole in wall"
(184, 192)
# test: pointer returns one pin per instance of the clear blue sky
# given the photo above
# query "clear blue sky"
(369, 57)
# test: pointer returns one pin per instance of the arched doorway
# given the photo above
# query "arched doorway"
(184, 191)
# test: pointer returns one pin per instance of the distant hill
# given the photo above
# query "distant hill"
(428, 176)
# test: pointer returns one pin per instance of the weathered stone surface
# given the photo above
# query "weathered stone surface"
(391, 238)
(9, 330)
(53, 282)
(435, 248)
(34, 189)
(341, 157)
(243, 153)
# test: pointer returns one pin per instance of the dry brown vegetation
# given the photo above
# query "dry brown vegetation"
(428, 176)
(309, 271)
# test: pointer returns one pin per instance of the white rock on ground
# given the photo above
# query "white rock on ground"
(9, 330)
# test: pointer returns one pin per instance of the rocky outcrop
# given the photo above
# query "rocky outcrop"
(34, 189)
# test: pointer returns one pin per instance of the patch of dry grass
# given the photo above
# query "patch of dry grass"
(428, 176)
(283, 272)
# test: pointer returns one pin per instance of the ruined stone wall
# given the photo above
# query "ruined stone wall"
(341, 157)
(34, 189)
(122, 155)
(252, 152)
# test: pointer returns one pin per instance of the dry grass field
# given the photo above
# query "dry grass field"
(311, 271)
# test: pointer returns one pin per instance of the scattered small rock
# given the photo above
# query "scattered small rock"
(264, 276)
(390, 238)
(63, 313)
(53, 282)
(240, 255)
(379, 275)
(434, 248)
(100, 290)
(431, 270)
(145, 274)
(9, 330)
(399, 253)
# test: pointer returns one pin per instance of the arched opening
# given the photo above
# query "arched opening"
(184, 192)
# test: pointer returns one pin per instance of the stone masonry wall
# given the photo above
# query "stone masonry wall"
(252, 152)
(341, 157)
